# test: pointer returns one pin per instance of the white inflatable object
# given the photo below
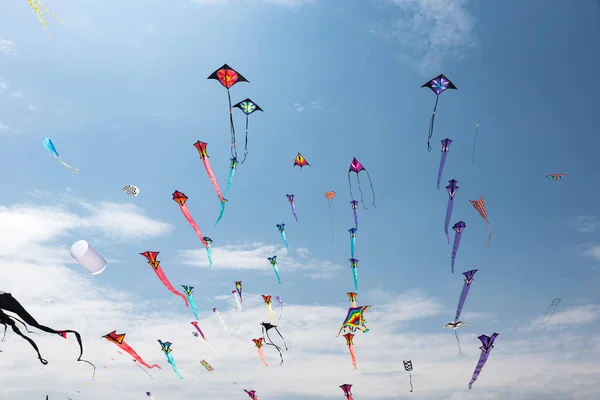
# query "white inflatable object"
(87, 257)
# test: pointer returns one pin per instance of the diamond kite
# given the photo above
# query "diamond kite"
(438, 85)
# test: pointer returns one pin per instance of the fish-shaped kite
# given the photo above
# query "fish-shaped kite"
(39, 9)
(228, 77)
(438, 85)
(479, 205)
(292, 201)
(357, 167)
(354, 204)
(201, 147)
(221, 320)
(352, 298)
(206, 365)
(556, 177)
(352, 232)
(238, 288)
(147, 394)
(280, 300)
(346, 389)
(131, 190)
(182, 199)
(350, 343)
(408, 367)
(487, 344)
(259, 346)
(251, 394)
(248, 107)
(301, 161)
(281, 228)
(355, 320)
(48, 145)
(266, 326)
(452, 189)
(166, 348)
(189, 293)
(232, 168)
(236, 299)
(330, 196)
(458, 228)
(119, 340)
(354, 266)
(445, 147)
(267, 300)
(551, 309)
(195, 323)
(273, 261)
(456, 323)
(155, 264)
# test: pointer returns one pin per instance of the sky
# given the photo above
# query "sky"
(121, 90)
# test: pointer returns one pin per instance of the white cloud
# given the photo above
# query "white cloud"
(592, 251)
(585, 224)
(431, 32)
(4, 128)
(311, 106)
(7, 47)
(284, 3)
(18, 94)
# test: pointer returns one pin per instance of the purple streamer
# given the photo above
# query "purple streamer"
(486, 348)
(465, 291)
(442, 162)
(448, 215)
(354, 204)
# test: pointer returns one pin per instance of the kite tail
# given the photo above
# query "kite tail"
(353, 357)
(448, 215)
(222, 321)
(278, 350)
(231, 127)
(261, 353)
(331, 222)
(437, 98)
(410, 381)
(270, 308)
(277, 274)
(355, 210)
(246, 143)
(146, 372)
(355, 276)
(73, 170)
(209, 255)
(458, 342)
(489, 237)
(221, 211)
(475, 142)
(6, 320)
(352, 246)
(294, 211)
(350, 184)
(212, 178)
(229, 181)
(190, 220)
(281, 336)
(285, 241)
(455, 249)
(461, 300)
(362, 200)
(281, 313)
(238, 304)
(441, 169)
(165, 281)
(482, 359)
(172, 362)
(194, 309)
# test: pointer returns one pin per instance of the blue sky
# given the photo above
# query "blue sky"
(122, 91)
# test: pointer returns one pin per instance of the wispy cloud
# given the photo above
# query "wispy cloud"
(19, 94)
(310, 106)
(592, 251)
(8, 47)
(586, 224)
(284, 3)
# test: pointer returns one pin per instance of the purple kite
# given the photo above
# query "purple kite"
(455, 324)
(357, 167)
(354, 204)
(438, 85)
(452, 188)
(352, 232)
(487, 346)
(458, 228)
(445, 147)
(293, 205)
(346, 387)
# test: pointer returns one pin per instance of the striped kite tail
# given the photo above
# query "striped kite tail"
(490, 228)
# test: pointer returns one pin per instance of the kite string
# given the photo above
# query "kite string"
(437, 98)
(362, 200)
(371, 183)
(410, 380)
(231, 127)
(246, 144)
(460, 353)
(475, 142)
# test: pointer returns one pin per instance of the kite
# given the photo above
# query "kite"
(330, 196)
(281, 228)
(208, 241)
(266, 326)
(131, 190)
(155, 264)
(259, 346)
(355, 320)
(201, 147)
(267, 300)
(88, 257)
(408, 368)
(349, 342)
(280, 300)
(352, 298)
(438, 85)
(346, 388)
(487, 346)
(206, 365)
(293, 205)
(39, 9)
(452, 188)
(119, 340)
(354, 205)
(445, 147)
(556, 177)
(48, 145)
(352, 241)
(10, 304)
(354, 266)
(236, 299)
(195, 323)
(458, 228)
(238, 288)
(475, 142)
(455, 324)
(149, 395)
(166, 348)
(189, 294)
(251, 394)
(228, 77)
(232, 168)
(248, 107)
(552, 306)
(301, 161)
(480, 207)
(357, 167)
(273, 261)
(181, 199)
(221, 320)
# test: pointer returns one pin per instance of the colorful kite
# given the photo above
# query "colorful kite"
(408, 367)
(330, 196)
(273, 261)
(248, 107)
(10, 304)
(131, 190)
(475, 142)
(354, 205)
(452, 188)
(556, 177)
(155, 264)
(201, 147)
(281, 228)
(195, 323)
(355, 320)
(232, 168)
(221, 320)
(236, 299)
(206, 365)
(189, 294)
(119, 340)
(228, 77)
(267, 300)
(458, 228)
(346, 388)
(259, 346)
(265, 330)
(280, 300)
(208, 241)
(349, 342)
(238, 288)
(48, 145)
(181, 199)
(251, 394)
(487, 343)
(352, 232)
(445, 147)
(290, 198)
(456, 323)
(301, 161)
(437, 85)
(354, 266)
(551, 309)
(480, 207)
(352, 298)
(39, 9)
(147, 394)
(357, 167)
(166, 348)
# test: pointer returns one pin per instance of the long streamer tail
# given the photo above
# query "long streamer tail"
(261, 353)
(353, 357)
(245, 144)
(221, 211)
(352, 246)
(355, 276)
(277, 274)
(441, 169)
(209, 255)
(410, 380)
(73, 170)
(437, 98)
(489, 237)
(448, 215)
(460, 353)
